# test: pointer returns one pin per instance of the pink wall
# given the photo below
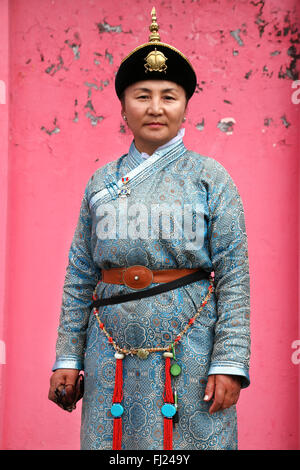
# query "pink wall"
(65, 122)
(4, 119)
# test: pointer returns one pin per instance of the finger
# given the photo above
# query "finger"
(228, 400)
(231, 398)
(69, 394)
(210, 388)
(218, 398)
(56, 385)
(60, 378)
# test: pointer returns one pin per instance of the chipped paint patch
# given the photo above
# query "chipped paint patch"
(96, 60)
(109, 56)
(226, 125)
(94, 119)
(260, 21)
(107, 28)
(75, 45)
(55, 130)
(200, 125)
(122, 129)
(266, 72)
(75, 112)
(91, 85)
(236, 35)
(53, 68)
(285, 122)
(267, 121)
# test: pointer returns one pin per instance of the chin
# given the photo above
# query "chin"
(157, 135)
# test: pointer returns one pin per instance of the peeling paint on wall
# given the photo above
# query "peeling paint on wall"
(75, 119)
(93, 118)
(267, 121)
(122, 129)
(200, 125)
(260, 22)
(53, 68)
(285, 122)
(236, 35)
(96, 60)
(109, 56)
(55, 130)
(106, 28)
(226, 125)
(281, 30)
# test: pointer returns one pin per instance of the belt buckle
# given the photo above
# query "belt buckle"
(137, 277)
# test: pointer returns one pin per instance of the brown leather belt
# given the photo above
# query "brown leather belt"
(138, 277)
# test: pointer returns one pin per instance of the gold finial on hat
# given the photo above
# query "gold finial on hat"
(154, 36)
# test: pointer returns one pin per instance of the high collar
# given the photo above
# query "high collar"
(134, 157)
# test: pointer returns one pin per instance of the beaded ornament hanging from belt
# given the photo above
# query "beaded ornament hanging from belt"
(169, 409)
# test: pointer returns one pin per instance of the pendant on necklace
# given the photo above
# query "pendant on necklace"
(142, 353)
(124, 191)
(175, 368)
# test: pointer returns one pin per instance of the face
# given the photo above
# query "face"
(154, 111)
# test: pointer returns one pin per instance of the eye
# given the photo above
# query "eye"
(169, 98)
(142, 97)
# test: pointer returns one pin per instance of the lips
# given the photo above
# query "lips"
(155, 124)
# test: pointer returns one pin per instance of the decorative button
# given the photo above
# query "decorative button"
(117, 410)
(168, 410)
(137, 277)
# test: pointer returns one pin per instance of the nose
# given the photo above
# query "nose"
(155, 106)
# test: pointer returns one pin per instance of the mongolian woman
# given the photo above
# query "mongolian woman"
(156, 305)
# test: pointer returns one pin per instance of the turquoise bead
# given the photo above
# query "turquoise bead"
(117, 410)
(168, 410)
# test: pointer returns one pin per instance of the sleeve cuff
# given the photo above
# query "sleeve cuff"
(231, 369)
(68, 362)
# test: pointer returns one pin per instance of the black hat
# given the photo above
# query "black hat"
(155, 60)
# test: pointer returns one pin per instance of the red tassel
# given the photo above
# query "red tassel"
(168, 393)
(117, 435)
(168, 398)
(168, 434)
(117, 398)
(118, 391)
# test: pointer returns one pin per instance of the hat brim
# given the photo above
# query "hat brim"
(178, 68)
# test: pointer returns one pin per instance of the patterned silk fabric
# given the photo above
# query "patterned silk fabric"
(218, 342)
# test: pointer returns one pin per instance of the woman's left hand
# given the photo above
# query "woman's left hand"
(223, 389)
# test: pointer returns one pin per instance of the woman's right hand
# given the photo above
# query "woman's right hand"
(62, 388)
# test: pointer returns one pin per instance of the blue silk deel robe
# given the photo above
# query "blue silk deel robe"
(183, 211)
